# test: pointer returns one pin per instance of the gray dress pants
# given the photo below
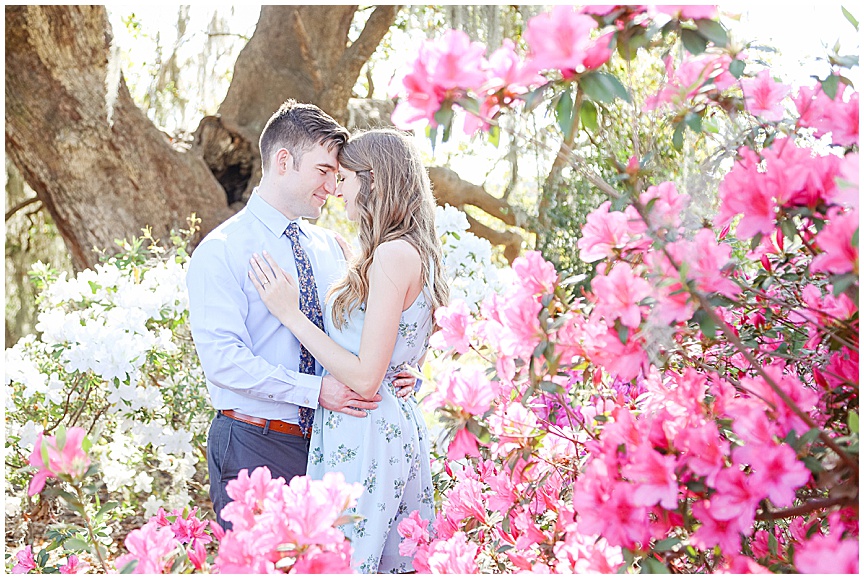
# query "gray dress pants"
(233, 446)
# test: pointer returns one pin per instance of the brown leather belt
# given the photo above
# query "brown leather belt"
(275, 425)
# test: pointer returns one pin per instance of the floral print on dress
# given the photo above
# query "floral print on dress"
(387, 451)
(388, 429)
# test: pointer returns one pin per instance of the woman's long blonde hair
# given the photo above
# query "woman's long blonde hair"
(400, 207)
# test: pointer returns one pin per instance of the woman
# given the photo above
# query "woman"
(378, 320)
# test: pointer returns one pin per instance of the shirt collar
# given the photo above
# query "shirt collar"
(272, 218)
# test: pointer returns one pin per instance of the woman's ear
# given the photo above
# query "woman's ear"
(371, 180)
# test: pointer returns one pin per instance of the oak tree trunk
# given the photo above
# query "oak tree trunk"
(102, 171)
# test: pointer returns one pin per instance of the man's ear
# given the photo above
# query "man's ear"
(284, 160)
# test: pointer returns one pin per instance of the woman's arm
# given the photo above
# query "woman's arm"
(394, 272)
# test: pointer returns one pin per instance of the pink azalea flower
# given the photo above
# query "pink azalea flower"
(835, 240)
(746, 191)
(443, 67)
(827, 554)
(454, 321)
(600, 51)
(605, 509)
(536, 275)
(736, 564)
(618, 295)
(667, 207)
(510, 73)
(653, 476)
(606, 233)
(463, 444)
(455, 555)
(70, 459)
(736, 499)
(414, 531)
(690, 78)
(622, 360)
(152, 546)
(317, 561)
(469, 389)
(706, 260)
(197, 554)
(777, 472)
(704, 450)
(520, 317)
(687, 12)
(560, 39)
(847, 189)
(764, 96)
(25, 561)
(73, 566)
(713, 531)
(835, 116)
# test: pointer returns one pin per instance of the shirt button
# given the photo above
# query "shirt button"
(271, 396)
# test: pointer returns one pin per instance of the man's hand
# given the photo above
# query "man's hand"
(337, 397)
(404, 383)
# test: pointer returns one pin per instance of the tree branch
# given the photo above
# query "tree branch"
(304, 42)
(511, 240)
(450, 188)
(356, 55)
(808, 507)
(11, 213)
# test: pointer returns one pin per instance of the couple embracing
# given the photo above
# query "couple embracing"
(275, 302)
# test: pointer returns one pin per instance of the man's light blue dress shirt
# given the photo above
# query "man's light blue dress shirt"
(249, 358)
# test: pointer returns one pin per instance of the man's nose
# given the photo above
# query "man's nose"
(330, 184)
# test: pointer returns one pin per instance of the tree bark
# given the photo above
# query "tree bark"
(104, 171)
(100, 180)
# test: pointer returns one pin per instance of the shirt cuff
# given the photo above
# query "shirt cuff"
(311, 383)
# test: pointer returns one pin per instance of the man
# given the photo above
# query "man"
(262, 383)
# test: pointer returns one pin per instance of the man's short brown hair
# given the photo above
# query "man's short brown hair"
(298, 127)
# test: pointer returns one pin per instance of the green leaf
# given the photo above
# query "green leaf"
(42, 557)
(76, 544)
(564, 113)
(694, 42)
(494, 135)
(736, 68)
(829, 86)
(667, 544)
(693, 121)
(603, 87)
(713, 31)
(651, 565)
(839, 283)
(855, 238)
(850, 18)
(678, 136)
(129, 567)
(588, 116)
(106, 507)
(706, 324)
(61, 436)
(853, 421)
(813, 464)
(548, 386)
(623, 332)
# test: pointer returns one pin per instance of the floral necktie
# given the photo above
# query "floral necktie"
(310, 306)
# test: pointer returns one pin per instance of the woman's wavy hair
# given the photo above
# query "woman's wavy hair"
(400, 207)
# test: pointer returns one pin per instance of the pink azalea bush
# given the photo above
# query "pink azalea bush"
(59, 456)
(695, 408)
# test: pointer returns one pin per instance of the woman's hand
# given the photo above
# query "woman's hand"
(346, 247)
(277, 288)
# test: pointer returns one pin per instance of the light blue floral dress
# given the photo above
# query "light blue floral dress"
(387, 451)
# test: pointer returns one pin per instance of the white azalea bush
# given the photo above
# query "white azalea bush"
(114, 356)
(468, 259)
